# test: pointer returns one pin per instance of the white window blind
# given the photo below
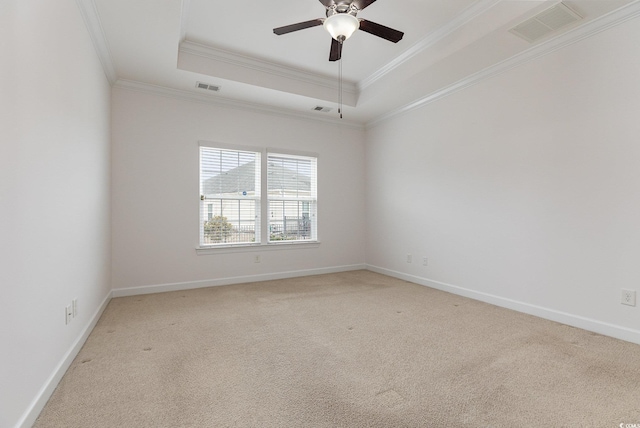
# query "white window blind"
(292, 197)
(229, 197)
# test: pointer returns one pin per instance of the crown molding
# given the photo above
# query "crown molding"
(589, 29)
(183, 95)
(91, 20)
(470, 13)
(238, 60)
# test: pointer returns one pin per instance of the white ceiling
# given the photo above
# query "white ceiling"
(169, 45)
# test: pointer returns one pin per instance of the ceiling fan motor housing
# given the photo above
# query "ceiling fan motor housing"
(342, 7)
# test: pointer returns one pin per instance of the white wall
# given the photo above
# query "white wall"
(523, 190)
(156, 192)
(54, 196)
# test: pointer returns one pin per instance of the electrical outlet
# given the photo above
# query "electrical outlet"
(256, 259)
(68, 314)
(628, 297)
(74, 307)
(425, 261)
(409, 258)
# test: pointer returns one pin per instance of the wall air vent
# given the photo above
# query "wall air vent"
(208, 87)
(322, 109)
(546, 22)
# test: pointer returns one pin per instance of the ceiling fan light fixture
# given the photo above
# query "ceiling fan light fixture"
(341, 26)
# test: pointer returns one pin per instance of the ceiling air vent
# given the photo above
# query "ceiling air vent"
(208, 87)
(322, 109)
(545, 22)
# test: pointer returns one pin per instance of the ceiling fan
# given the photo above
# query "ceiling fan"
(341, 23)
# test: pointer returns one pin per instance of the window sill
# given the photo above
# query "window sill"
(245, 248)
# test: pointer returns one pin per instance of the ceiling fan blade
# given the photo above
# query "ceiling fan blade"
(336, 50)
(299, 26)
(327, 3)
(381, 31)
(361, 4)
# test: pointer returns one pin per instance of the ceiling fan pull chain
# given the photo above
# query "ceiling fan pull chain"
(340, 86)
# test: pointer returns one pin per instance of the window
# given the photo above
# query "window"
(252, 196)
(291, 182)
(229, 196)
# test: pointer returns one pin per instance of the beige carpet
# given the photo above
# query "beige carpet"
(354, 349)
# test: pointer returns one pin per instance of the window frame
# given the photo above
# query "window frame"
(264, 241)
(257, 197)
(311, 200)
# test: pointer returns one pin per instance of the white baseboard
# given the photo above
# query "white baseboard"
(38, 403)
(619, 332)
(179, 286)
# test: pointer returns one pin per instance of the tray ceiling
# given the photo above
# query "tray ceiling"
(170, 45)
